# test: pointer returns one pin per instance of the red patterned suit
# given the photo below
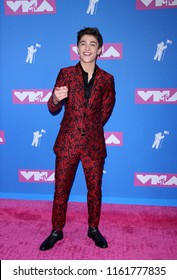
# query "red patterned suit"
(81, 138)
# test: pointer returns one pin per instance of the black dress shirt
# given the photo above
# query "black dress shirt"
(88, 84)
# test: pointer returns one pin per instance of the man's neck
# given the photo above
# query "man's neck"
(89, 68)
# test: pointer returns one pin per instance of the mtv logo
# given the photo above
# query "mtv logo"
(156, 96)
(158, 180)
(36, 176)
(113, 138)
(28, 7)
(31, 96)
(111, 51)
(2, 137)
(155, 4)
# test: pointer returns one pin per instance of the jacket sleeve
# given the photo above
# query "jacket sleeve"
(60, 81)
(108, 101)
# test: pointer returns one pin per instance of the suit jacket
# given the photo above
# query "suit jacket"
(80, 117)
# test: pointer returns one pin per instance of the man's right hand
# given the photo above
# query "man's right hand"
(59, 94)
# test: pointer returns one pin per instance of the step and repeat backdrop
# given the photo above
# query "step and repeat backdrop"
(140, 50)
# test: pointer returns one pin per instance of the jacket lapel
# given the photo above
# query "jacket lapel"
(95, 89)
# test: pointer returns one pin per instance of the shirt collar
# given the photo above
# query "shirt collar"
(86, 74)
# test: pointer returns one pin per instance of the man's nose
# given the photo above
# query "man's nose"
(87, 46)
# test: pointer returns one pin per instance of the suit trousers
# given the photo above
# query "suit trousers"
(65, 170)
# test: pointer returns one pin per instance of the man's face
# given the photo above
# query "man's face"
(88, 49)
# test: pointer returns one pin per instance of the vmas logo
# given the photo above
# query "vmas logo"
(29, 7)
(36, 176)
(155, 180)
(2, 137)
(156, 96)
(113, 138)
(31, 96)
(155, 4)
(109, 52)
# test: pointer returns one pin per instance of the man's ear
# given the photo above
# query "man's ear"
(99, 52)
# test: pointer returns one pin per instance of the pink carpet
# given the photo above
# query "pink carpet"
(133, 232)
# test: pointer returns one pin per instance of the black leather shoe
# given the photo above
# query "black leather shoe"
(96, 236)
(51, 240)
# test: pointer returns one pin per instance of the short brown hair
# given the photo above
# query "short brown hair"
(90, 31)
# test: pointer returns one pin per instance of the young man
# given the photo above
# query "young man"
(88, 95)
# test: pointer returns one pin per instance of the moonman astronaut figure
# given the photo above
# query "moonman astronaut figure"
(31, 51)
(159, 52)
(36, 136)
(158, 137)
(91, 6)
(87, 93)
